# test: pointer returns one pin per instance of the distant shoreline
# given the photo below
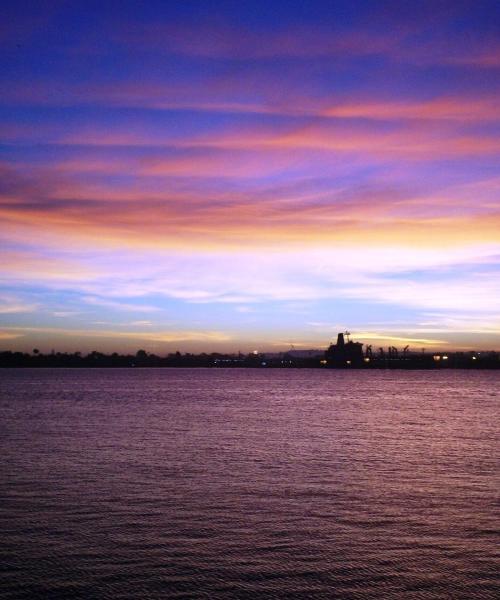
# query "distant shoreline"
(436, 361)
(479, 368)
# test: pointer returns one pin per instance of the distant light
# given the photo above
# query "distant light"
(474, 358)
(323, 362)
(436, 357)
(255, 352)
(348, 362)
(445, 357)
(367, 359)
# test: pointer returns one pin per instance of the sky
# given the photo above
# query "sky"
(224, 176)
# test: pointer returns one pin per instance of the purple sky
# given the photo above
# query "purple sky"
(228, 175)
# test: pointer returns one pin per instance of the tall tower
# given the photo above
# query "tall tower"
(340, 340)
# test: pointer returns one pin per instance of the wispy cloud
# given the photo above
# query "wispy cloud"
(151, 336)
(260, 177)
(371, 336)
(6, 335)
(118, 305)
(11, 305)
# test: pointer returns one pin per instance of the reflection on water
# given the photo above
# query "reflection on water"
(249, 483)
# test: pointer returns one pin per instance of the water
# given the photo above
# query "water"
(249, 483)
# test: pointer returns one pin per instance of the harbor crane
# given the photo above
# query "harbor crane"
(393, 352)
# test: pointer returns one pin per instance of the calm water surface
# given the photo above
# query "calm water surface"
(249, 484)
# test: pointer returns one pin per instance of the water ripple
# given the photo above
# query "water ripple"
(127, 484)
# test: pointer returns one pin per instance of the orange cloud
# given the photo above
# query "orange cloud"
(26, 265)
(441, 108)
(152, 336)
(170, 225)
(191, 215)
(409, 141)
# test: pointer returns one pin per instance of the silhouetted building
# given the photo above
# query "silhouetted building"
(344, 354)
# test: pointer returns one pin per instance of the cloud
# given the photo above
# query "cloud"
(410, 42)
(447, 108)
(223, 41)
(151, 336)
(380, 337)
(196, 214)
(117, 305)
(357, 128)
(224, 169)
(12, 305)
(6, 335)
(456, 279)
(24, 264)
(477, 293)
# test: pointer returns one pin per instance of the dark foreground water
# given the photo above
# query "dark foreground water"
(249, 484)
